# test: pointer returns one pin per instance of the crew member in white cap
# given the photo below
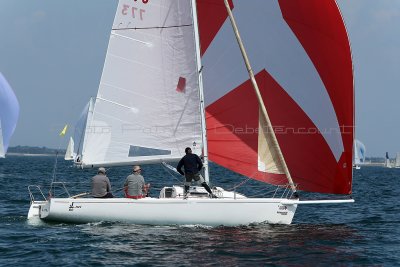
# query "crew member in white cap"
(101, 187)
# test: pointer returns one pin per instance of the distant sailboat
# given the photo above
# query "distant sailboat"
(397, 162)
(359, 154)
(387, 161)
(73, 151)
(9, 112)
(150, 105)
(69, 153)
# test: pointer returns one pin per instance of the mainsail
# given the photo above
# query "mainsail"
(303, 66)
(147, 106)
(9, 112)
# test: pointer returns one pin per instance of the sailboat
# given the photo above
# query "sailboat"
(387, 164)
(69, 153)
(177, 74)
(73, 151)
(9, 112)
(397, 162)
(359, 154)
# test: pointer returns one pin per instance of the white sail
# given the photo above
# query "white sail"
(80, 128)
(9, 113)
(387, 161)
(69, 153)
(397, 163)
(2, 152)
(147, 106)
(359, 152)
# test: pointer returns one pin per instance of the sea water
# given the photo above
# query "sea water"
(365, 233)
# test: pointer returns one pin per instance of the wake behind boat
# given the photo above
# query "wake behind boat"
(290, 123)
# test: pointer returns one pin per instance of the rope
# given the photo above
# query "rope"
(171, 173)
(240, 184)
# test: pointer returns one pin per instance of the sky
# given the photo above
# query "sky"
(52, 53)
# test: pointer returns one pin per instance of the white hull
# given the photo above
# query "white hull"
(165, 211)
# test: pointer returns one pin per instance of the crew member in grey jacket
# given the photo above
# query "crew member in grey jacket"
(134, 185)
(101, 187)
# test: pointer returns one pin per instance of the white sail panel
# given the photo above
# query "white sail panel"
(147, 106)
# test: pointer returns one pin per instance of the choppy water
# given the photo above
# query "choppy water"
(366, 233)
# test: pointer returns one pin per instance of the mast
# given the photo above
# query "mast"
(259, 98)
(201, 93)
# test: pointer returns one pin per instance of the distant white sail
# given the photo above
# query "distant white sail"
(9, 112)
(69, 153)
(397, 163)
(359, 152)
(387, 161)
(147, 106)
(80, 127)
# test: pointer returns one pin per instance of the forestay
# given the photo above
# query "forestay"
(300, 54)
(147, 106)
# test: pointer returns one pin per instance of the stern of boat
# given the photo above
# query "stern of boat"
(35, 192)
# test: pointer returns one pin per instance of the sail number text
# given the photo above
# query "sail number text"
(135, 12)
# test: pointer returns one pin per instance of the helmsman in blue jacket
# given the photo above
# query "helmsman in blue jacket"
(192, 165)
